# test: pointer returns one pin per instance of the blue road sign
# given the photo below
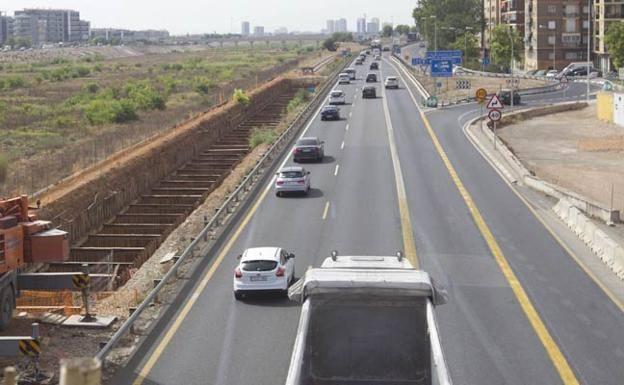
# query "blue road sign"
(444, 54)
(416, 61)
(454, 55)
(441, 67)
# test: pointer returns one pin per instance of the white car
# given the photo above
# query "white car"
(292, 179)
(337, 97)
(264, 269)
(344, 78)
(391, 82)
(551, 74)
(351, 72)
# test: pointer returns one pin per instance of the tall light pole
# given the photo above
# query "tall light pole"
(588, 44)
(466, 43)
(435, 32)
(511, 63)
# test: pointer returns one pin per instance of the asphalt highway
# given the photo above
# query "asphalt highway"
(488, 335)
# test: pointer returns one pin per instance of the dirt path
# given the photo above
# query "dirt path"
(574, 150)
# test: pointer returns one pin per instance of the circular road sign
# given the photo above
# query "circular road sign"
(495, 115)
(481, 94)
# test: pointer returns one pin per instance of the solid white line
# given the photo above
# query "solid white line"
(409, 246)
(336, 170)
(342, 145)
(350, 114)
(347, 127)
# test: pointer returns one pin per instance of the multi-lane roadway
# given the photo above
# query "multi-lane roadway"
(521, 310)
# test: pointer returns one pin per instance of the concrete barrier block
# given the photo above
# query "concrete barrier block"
(599, 243)
(618, 262)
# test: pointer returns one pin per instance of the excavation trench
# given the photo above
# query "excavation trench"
(118, 221)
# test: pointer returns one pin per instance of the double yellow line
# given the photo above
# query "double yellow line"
(552, 349)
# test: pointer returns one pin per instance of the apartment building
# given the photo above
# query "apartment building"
(512, 14)
(50, 26)
(492, 18)
(6, 28)
(258, 31)
(245, 28)
(556, 33)
(605, 12)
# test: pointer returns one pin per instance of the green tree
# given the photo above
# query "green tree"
(500, 45)
(342, 36)
(330, 44)
(469, 44)
(19, 42)
(614, 39)
(445, 14)
(402, 29)
(387, 31)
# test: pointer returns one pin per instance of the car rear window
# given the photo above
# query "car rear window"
(336, 94)
(292, 174)
(306, 142)
(260, 265)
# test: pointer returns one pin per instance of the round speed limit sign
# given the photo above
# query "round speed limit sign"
(495, 115)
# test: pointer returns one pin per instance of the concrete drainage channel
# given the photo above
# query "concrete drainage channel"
(136, 232)
(209, 240)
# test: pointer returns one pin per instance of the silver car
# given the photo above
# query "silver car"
(292, 179)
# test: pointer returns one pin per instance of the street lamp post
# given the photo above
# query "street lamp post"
(435, 32)
(466, 43)
(588, 45)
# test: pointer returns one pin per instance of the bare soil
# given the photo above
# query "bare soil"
(575, 150)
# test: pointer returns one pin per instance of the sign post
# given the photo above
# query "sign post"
(480, 95)
(564, 80)
(495, 105)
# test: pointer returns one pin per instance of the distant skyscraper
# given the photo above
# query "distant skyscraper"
(281, 31)
(361, 25)
(331, 26)
(341, 25)
(259, 30)
(373, 25)
(245, 28)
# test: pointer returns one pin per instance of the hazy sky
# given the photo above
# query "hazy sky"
(192, 16)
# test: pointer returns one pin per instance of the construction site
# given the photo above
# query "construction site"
(82, 254)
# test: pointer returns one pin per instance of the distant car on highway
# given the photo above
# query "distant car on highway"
(374, 66)
(369, 92)
(359, 61)
(263, 269)
(344, 78)
(540, 73)
(337, 97)
(330, 113)
(386, 49)
(391, 82)
(351, 72)
(309, 148)
(293, 179)
(422, 45)
(377, 57)
(371, 78)
(505, 96)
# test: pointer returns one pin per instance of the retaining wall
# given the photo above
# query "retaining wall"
(90, 206)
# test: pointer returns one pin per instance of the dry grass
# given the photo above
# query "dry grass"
(46, 134)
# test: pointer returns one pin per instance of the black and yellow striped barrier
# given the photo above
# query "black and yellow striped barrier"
(29, 347)
(81, 281)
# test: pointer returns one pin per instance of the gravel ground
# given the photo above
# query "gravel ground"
(574, 150)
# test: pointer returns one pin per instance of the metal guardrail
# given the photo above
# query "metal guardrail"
(274, 152)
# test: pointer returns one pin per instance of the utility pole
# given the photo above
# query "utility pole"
(435, 32)
(588, 44)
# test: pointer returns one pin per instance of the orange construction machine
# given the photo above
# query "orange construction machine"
(23, 240)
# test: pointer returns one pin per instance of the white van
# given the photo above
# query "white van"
(344, 78)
